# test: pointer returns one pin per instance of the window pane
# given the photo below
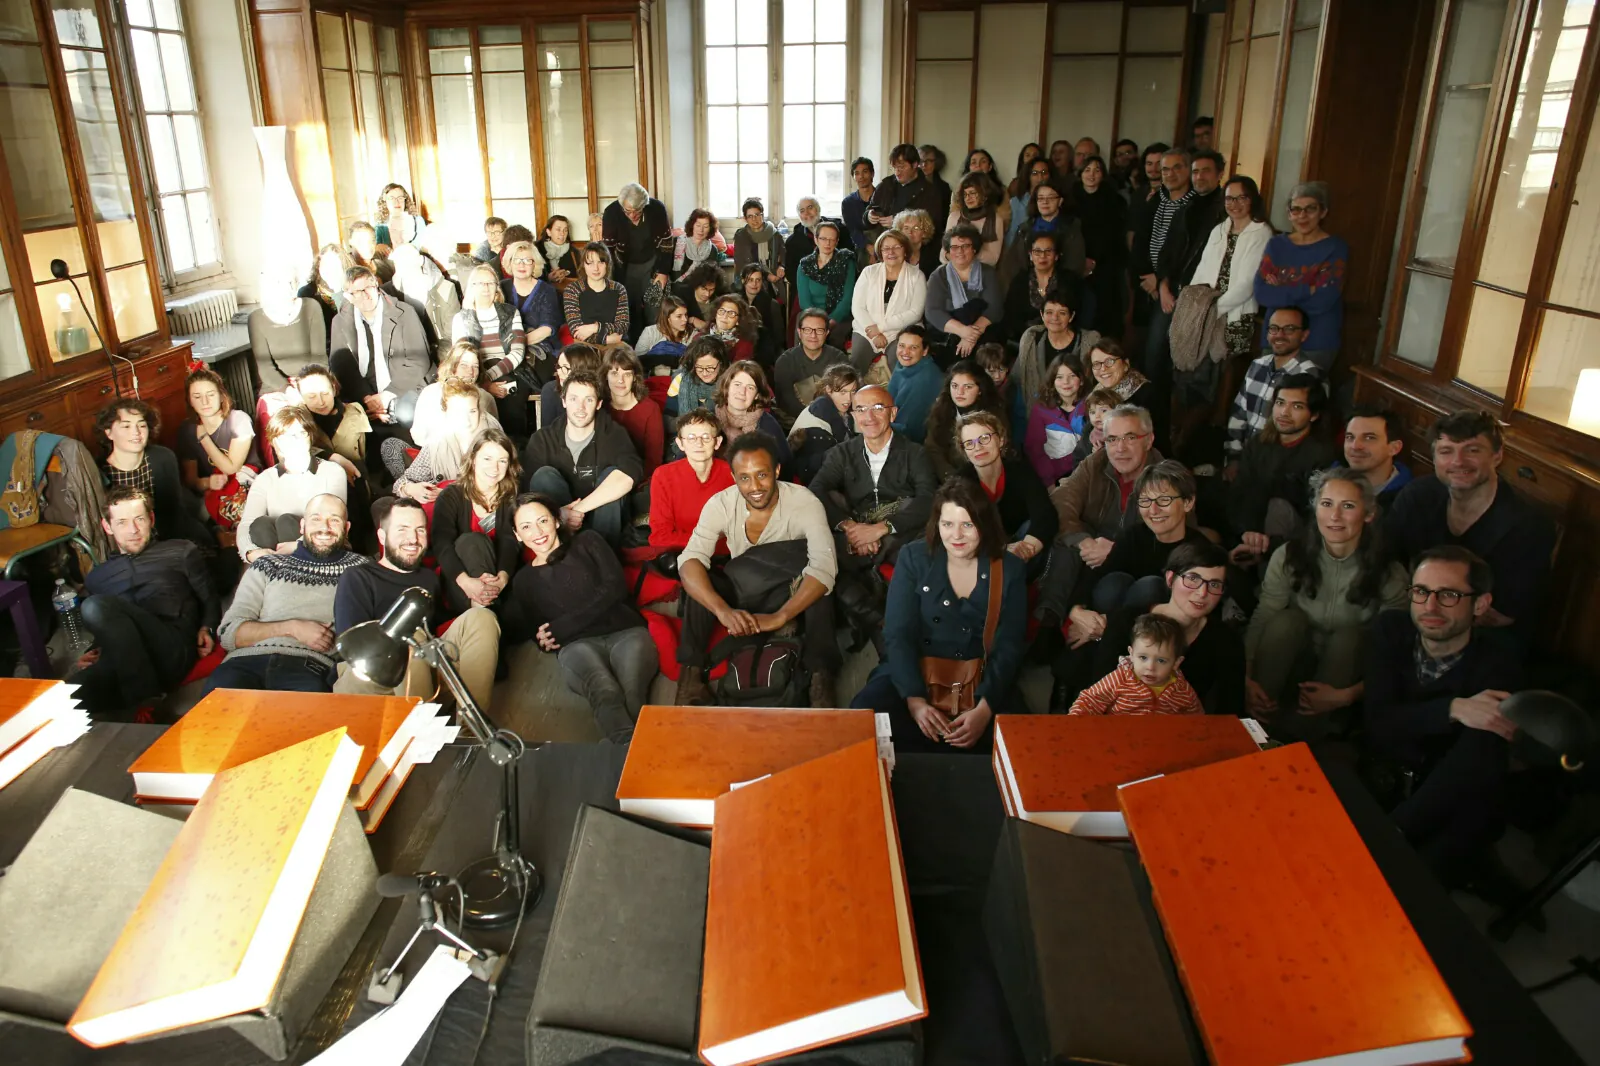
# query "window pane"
(1255, 123)
(1564, 381)
(192, 157)
(577, 215)
(204, 233)
(751, 21)
(460, 158)
(610, 43)
(1576, 282)
(501, 57)
(1150, 90)
(1539, 114)
(616, 129)
(361, 30)
(138, 11)
(1232, 82)
(830, 131)
(799, 23)
(1296, 119)
(394, 112)
(388, 50)
(566, 172)
(348, 184)
(831, 74)
(449, 38)
(797, 182)
(49, 297)
(164, 153)
(722, 79)
(132, 309)
(176, 217)
(1426, 298)
(724, 190)
(330, 41)
(63, 242)
(518, 212)
(175, 64)
(1458, 125)
(1083, 97)
(147, 64)
(1491, 339)
(76, 23)
(13, 349)
(1088, 28)
(1159, 29)
(119, 242)
(830, 187)
(450, 60)
(832, 23)
(505, 117)
(752, 182)
(377, 153)
(752, 134)
(719, 22)
(799, 66)
(1268, 17)
(753, 75)
(167, 15)
(797, 123)
(99, 134)
(722, 134)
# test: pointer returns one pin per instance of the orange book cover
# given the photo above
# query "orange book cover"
(808, 923)
(1062, 771)
(231, 727)
(23, 711)
(1289, 942)
(683, 758)
(212, 933)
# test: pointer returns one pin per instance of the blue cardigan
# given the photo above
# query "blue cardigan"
(924, 617)
(913, 390)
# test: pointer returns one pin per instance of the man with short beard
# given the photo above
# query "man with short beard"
(151, 609)
(1434, 682)
(279, 630)
(366, 592)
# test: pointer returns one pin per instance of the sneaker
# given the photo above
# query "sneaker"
(822, 692)
(692, 688)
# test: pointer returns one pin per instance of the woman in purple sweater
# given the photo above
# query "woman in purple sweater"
(1305, 268)
(1057, 422)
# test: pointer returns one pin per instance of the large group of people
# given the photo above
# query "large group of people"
(956, 425)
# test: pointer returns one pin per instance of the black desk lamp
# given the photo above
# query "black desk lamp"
(58, 270)
(497, 887)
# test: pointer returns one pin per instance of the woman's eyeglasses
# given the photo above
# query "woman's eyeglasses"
(1147, 502)
(983, 440)
(696, 438)
(1194, 582)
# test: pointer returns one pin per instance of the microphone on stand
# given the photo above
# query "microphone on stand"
(58, 270)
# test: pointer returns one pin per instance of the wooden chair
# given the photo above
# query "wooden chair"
(18, 544)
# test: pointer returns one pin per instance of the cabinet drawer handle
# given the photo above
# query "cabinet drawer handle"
(1527, 472)
(163, 368)
(105, 390)
(35, 416)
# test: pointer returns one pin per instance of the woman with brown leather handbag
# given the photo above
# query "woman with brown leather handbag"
(954, 629)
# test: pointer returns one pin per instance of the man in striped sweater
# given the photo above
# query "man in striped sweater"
(279, 630)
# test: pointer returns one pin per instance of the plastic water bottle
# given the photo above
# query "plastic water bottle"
(65, 600)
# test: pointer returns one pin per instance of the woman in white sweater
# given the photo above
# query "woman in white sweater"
(1229, 263)
(279, 494)
(890, 295)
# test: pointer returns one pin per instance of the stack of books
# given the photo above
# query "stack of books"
(231, 727)
(36, 717)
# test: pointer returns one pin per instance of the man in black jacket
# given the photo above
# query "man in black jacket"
(639, 232)
(907, 190)
(878, 491)
(366, 592)
(1268, 499)
(151, 608)
(585, 462)
(380, 353)
(1434, 683)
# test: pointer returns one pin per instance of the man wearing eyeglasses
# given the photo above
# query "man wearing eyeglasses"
(380, 354)
(1435, 678)
(1466, 502)
(798, 370)
(1252, 406)
(878, 490)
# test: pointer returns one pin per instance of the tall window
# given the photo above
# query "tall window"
(810, 81)
(177, 149)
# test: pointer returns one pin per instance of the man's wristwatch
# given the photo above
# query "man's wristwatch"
(889, 526)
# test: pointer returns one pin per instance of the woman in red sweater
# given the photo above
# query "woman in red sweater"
(679, 490)
(632, 408)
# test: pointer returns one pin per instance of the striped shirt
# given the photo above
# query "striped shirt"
(1252, 407)
(1121, 692)
(1161, 223)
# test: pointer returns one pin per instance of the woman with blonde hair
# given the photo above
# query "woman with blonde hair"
(496, 327)
(325, 283)
(473, 532)
(397, 219)
(458, 422)
(888, 298)
(539, 304)
(463, 363)
(917, 227)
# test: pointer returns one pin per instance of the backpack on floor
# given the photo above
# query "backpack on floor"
(763, 671)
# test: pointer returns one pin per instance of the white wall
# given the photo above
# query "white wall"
(224, 71)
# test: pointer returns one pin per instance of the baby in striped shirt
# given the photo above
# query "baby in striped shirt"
(1146, 680)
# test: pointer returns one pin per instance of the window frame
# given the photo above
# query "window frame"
(1442, 378)
(347, 20)
(779, 200)
(171, 279)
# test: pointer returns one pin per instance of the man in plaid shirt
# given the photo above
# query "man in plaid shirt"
(1252, 408)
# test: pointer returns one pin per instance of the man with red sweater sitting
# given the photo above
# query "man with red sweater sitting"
(679, 490)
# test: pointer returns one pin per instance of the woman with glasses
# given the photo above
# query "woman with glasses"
(1195, 581)
(890, 295)
(979, 203)
(981, 164)
(539, 304)
(1026, 513)
(1306, 643)
(827, 279)
(765, 310)
(1305, 268)
(1109, 366)
(967, 388)
(1051, 211)
(736, 325)
(679, 489)
(495, 325)
(917, 225)
(965, 305)
(938, 605)
(397, 219)
(1035, 283)
(1058, 422)
(1031, 173)
(460, 363)
(696, 378)
(596, 308)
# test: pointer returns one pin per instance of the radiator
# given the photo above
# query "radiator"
(211, 309)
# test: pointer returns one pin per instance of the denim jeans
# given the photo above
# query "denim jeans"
(606, 521)
(1120, 589)
(613, 672)
(275, 671)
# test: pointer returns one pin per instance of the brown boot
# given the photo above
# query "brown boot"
(692, 689)
(822, 694)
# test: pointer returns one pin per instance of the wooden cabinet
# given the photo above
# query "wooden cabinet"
(68, 405)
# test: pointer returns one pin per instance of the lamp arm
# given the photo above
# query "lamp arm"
(432, 650)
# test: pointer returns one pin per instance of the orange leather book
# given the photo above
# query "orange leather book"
(1062, 771)
(682, 758)
(1287, 938)
(808, 924)
(231, 727)
(36, 717)
(212, 933)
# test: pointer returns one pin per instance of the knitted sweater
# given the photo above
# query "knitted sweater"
(277, 491)
(1121, 692)
(277, 588)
